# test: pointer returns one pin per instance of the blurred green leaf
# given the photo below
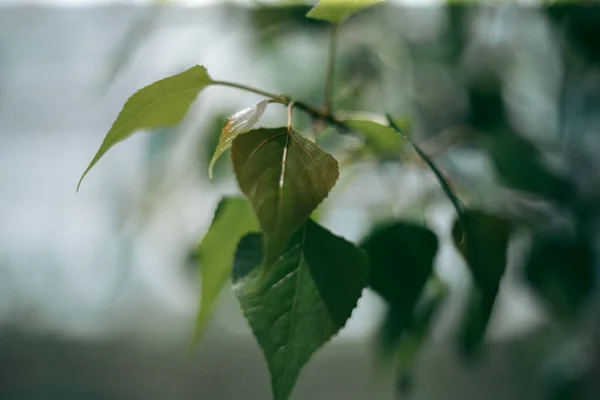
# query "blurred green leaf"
(285, 177)
(240, 122)
(411, 342)
(336, 11)
(561, 269)
(483, 243)
(383, 141)
(475, 320)
(233, 219)
(401, 256)
(519, 165)
(517, 160)
(302, 301)
(161, 104)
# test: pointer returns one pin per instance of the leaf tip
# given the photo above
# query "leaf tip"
(81, 180)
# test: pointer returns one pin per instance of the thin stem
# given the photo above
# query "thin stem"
(285, 100)
(458, 206)
(330, 78)
(330, 119)
(290, 106)
(277, 98)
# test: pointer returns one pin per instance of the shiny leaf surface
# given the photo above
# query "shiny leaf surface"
(241, 122)
(285, 177)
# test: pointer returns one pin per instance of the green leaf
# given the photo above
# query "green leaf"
(285, 177)
(302, 301)
(233, 219)
(401, 256)
(380, 139)
(161, 104)
(241, 122)
(483, 243)
(336, 11)
(410, 343)
(561, 269)
(520, 166)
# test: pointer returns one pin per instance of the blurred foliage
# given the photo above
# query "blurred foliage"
(459, 75)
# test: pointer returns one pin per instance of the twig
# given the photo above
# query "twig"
(458, 206)
(286, 100)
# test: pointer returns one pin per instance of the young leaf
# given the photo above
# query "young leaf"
(285, 177)
(302, 302)
(380, 139)
(336, 11)
(233, 219)
(482, 242)
(401, 257)
(161, 104)
(240, 122)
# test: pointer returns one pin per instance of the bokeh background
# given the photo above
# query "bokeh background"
(99, 290)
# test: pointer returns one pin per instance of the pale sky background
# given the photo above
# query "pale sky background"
(183, 2)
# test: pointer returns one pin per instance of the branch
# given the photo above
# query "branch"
(458, 206)
(286, 100)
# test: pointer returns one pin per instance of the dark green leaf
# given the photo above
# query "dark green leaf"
(161, 104)
(475, 320)
(233, 219)
(401, 256)
(336, 11)
(483, 242)
(302, 301)
(561, 269)
(285, 177)
(241, 122)
(411, 342)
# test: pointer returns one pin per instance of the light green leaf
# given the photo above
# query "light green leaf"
(380, 139)
(336, 11)
(238, 123)
(233, 219)
(285, 177)
(302, 301)
(483, 243)
(161, 104)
